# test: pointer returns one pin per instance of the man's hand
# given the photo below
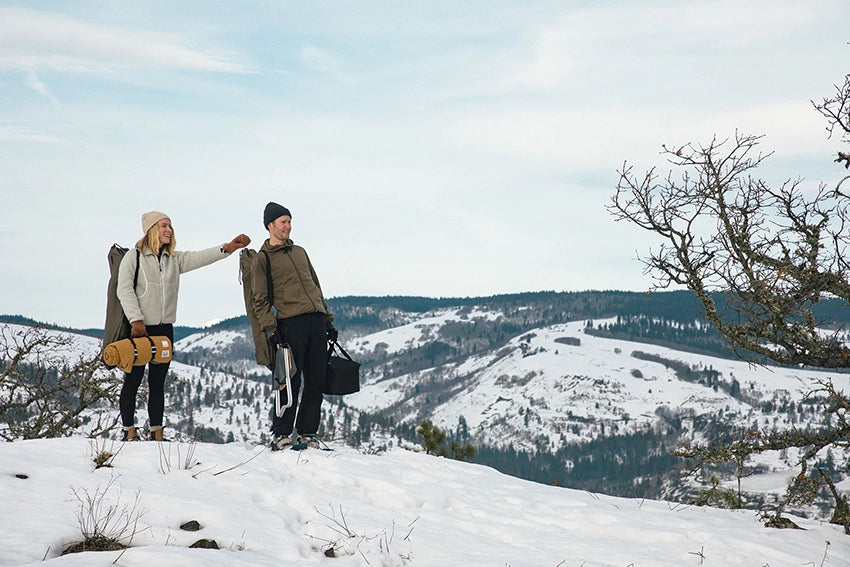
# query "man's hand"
(275, 340)
(333, 334)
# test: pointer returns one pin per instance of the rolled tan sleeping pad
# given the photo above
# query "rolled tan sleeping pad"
(128, 353)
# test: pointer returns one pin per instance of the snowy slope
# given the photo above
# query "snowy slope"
(555, 383)
(561, 376)
(419, 331)
(395, 509)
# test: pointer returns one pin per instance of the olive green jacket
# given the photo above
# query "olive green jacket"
(295, 285)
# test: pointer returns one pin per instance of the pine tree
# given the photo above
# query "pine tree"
(434, 442)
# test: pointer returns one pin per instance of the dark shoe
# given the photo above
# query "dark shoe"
(281, 442)
(310, 440)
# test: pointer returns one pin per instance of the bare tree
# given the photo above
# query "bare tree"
(43, 394)
(772, 253)
(758, 259)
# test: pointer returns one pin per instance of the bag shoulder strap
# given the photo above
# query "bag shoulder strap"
(136, 274)
(121, 250)
(269, 277)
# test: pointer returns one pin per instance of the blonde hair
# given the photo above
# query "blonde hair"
(151, 240)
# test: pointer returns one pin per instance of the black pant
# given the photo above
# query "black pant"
(307, 336)
(156, 385)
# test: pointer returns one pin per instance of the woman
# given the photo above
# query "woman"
(151, 307)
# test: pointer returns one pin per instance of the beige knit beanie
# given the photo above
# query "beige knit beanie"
(149, 219)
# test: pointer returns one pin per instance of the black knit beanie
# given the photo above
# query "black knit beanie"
(272, 212)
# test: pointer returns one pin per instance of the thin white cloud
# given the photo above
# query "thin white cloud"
(38, 40)
(328, 65)
(580, 140)
(685, 36)
(551, 63)
(17, 134)
(318, 59)
(32, 81)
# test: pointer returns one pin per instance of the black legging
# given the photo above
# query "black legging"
(156, 385)
(308, 337)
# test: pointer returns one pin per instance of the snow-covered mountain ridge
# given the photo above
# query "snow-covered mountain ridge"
(548, 389)
(545, 380)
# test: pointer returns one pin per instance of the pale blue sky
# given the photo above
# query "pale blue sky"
(424, 148)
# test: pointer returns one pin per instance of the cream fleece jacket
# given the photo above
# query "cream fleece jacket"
(154, 301)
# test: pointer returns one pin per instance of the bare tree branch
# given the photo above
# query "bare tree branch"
(42, 396)
(757, 258)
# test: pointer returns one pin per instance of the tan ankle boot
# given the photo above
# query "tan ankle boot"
(156, 433)
(130, 434)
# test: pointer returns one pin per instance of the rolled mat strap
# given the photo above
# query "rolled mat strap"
(144, 352)
(162, 351)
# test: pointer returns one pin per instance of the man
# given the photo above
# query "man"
(297, 314)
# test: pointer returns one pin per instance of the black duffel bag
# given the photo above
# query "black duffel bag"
(343, 375)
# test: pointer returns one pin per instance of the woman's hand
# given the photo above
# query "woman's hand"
(137, 329)
(238, 242)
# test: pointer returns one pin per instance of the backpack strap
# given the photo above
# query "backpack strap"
(269, 278)
(136, 274)
(135, 284)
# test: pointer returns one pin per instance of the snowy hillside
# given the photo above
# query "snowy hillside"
(400, 508)
(562, 384)
(556, 382)
(547, 391)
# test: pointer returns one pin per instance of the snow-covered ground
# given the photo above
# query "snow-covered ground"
(399, 508)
